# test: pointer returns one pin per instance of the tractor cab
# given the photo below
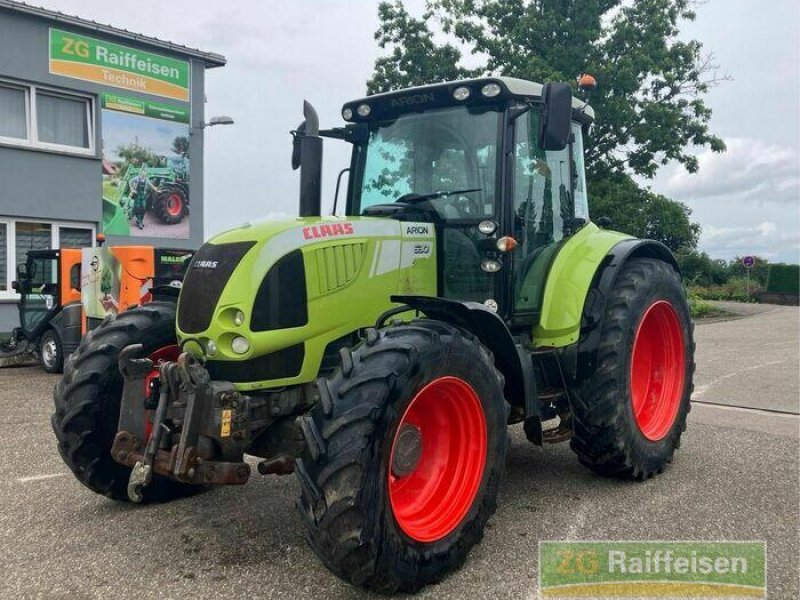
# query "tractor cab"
(44, 289)
(494, 165)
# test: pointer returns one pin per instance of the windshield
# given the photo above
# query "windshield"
(440, 151)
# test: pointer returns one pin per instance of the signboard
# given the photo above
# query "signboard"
(100, 282)
(749, 261)
(145, 168)
(89, 59)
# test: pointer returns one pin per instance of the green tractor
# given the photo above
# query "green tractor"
(381, 355)
(167, 199)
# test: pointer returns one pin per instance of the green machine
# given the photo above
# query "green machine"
(382, 355)
(165, 193)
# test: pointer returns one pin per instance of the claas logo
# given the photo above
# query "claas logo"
(322, 231)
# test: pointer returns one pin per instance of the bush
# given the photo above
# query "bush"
(734, 289)
(784, 279)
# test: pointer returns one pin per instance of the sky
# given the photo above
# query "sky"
(747, 200)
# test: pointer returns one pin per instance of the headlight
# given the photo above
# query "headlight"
(347, 114)
(461, 93)
(240, 345)
(490, 90)
(211, 348)
(238, 318)
(490, 266)
(364, 110)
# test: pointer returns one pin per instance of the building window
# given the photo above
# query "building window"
(13, 113)
(19, 237)
(32, 236)
(3, 257)
(74, 237)
(62, 120)
(35, 117)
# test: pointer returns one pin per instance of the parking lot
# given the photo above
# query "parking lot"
(735, 478)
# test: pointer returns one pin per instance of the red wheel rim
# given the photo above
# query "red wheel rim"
(174, 204)
(657, 370)
(164, 354)
(433, 497)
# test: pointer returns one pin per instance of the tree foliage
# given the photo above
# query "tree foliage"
(643, 213)
(136, 155)
(651, 84)
(180, 146)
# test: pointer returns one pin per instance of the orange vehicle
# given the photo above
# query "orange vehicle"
(65, 292)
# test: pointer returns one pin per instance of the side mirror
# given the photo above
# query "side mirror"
(556, 116)
(297, 135)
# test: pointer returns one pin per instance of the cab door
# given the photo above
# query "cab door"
(39, 293)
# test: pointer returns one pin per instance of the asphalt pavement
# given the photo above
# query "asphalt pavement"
(735, 477)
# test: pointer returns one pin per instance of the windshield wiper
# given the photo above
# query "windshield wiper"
(414, 198)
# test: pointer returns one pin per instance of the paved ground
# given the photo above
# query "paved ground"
(735, 477)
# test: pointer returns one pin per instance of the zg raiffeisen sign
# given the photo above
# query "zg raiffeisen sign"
(90, 59)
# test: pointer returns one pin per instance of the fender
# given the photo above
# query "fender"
(583, 360)
(513, 361)
(67, 325)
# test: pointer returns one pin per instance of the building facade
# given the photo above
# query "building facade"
(101, 130)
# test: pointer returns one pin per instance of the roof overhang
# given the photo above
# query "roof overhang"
(210, 59)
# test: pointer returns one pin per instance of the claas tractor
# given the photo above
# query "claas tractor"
(381, 355)
(54, 286)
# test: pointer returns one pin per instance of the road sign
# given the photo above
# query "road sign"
(749, 261)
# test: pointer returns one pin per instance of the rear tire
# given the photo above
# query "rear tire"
(358, 520)
(88, 397)
(51, 352)
(170, 204)
(628, 421)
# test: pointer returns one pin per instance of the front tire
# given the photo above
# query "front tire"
(406, 450)
(88, 398)
(630, 413)
(170, 204)
(51, 352)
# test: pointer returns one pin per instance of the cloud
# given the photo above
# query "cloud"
(751, 170)
(765, 239)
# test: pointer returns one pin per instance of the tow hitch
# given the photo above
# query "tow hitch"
(200, 428)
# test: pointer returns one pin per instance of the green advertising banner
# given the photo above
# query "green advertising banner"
(145, 108)
(106, 63)
(146, 174)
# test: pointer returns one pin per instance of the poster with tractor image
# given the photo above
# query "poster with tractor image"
(145, 168)
(100, 282)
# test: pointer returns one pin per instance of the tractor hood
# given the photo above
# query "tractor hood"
(263, 302)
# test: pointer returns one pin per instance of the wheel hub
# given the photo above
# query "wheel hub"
(407, 450)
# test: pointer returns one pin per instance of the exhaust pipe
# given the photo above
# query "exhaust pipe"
(310, 164)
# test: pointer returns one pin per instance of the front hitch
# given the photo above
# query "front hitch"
(199, 430)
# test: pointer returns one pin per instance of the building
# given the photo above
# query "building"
(101, 130)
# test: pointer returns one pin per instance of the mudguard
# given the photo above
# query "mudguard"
(513, 361)
(583, 361)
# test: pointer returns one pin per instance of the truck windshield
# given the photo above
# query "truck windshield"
(432, 155)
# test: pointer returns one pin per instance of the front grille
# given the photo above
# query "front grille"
(275, 365)
(205, 279)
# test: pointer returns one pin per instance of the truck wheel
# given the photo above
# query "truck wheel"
(406, 449)
(88, 397)
(630, 413)
(170, 205)
(51, 352)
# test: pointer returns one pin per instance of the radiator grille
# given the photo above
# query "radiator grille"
(336, 266)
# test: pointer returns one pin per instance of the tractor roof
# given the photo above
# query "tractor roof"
(441, 94)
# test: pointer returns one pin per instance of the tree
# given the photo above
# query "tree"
(180, 146)
(642, 213)
(650, 96)
(136, 155)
